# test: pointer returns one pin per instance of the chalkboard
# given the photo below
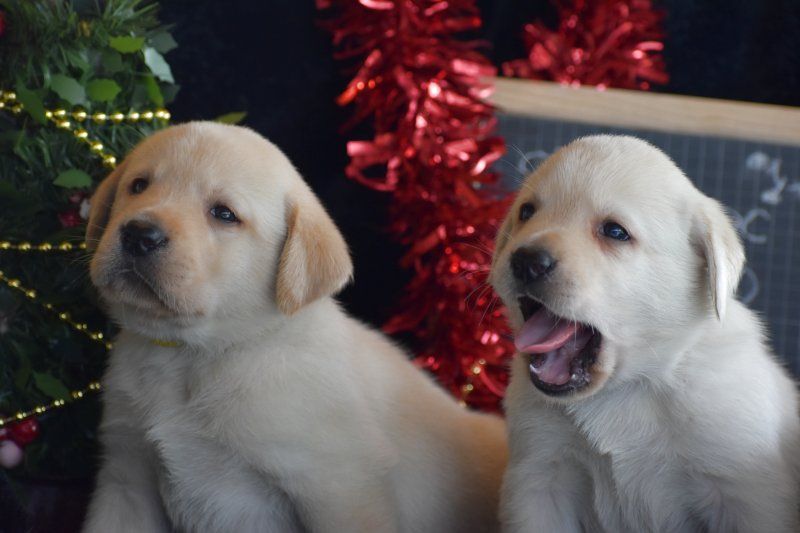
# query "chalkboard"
(758, 182)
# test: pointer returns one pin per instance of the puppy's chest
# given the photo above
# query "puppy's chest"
(623, 425)
(636, 463)
(159, 388)
(204, 485)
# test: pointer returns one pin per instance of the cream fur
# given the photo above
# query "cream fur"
(278, 412)
(689, 423)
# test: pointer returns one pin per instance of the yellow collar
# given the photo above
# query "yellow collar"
(166, 343)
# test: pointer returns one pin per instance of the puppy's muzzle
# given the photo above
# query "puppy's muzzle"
(140, 238)
(531, 266)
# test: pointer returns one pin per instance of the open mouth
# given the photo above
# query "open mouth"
(561, 351)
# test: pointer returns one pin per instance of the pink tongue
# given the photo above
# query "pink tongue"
(555, 341)
(544, 332)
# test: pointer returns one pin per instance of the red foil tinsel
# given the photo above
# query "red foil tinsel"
(425, 92)
(605, 43)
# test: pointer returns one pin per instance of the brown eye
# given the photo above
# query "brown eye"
(526, 211)
(612, 230)
(138, 185)
(223, 212)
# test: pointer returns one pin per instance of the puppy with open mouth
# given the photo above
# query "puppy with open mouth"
(643, 396)
(239, 397)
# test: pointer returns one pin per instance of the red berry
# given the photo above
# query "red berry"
(24, 432)
(70, 218)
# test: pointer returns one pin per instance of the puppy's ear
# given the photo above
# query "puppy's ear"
(315, 261)
(722, 250)
(100, 207)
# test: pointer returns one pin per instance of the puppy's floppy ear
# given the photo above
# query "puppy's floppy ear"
(315, 261)
(100, 207)
(723, 252)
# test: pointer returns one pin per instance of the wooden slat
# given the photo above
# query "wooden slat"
(650, 111)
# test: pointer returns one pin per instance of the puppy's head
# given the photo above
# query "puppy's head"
(206, 226)
(608, 262)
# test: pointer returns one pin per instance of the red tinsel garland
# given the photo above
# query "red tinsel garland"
(433, 144)
(606, 43)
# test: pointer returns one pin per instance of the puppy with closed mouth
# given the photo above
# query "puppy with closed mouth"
(643, 396)
(239, 396)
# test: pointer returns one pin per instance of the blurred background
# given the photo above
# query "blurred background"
(273, 61)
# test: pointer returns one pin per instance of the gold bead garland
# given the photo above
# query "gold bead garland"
(71, 121)
(94, 386)
(61, 118)
(41, 247)
(64, 316)
(68, 121)
(96, 336)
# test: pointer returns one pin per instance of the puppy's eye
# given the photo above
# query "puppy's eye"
(612, 230)
(223, 213)
(138, 185)
(526, 211)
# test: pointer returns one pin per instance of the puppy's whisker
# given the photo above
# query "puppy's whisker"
(465, 275)
(82, 259)
(95, 225)
(479, 286)
(493, 303)
(518, 177)
(483, 249)
(475, 272)
(483, 316)
(522, 154)
(483, 286)
(521, 177)
(501, 231)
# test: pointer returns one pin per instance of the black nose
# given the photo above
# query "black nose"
(141, 238)
(531, 265)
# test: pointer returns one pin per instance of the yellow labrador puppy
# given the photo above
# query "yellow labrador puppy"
(644, 398)
(239, 397)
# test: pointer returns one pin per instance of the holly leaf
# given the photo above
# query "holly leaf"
(68, 88)
(163, 42)
(153, 90)
(103, 90)
(126, 45)
(112, 61)
(32, 103)
(157, 65)
(50, 386)
(169, 92)
(73, 179)
(231, 118)
(78, 59)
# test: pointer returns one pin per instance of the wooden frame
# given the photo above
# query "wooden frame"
(649, 111)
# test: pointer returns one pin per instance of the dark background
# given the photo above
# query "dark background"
(271, 59)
